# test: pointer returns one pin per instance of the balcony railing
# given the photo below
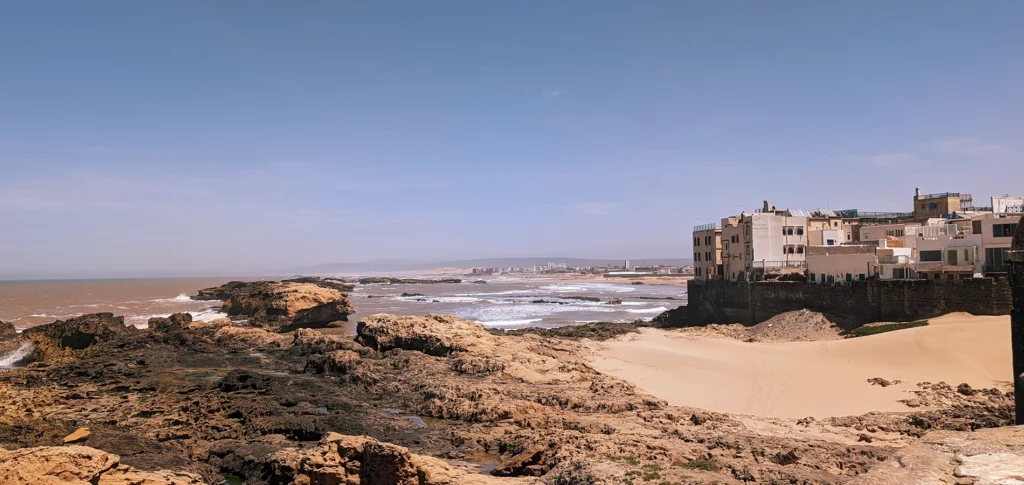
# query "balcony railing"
(777, 264)
(705, 227)
(997, 268)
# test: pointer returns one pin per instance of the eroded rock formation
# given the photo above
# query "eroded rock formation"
(424, 400)
(283, 305)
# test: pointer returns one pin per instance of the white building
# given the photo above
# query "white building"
(832, 264)
(996, 233)
(755, 246)
(1007, 205)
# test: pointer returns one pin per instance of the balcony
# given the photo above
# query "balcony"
(997, 268)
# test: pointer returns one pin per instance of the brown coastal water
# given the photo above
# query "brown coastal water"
(502, 302)
(30, 303)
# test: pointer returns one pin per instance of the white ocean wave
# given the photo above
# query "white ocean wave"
(15, 356)
(659, 309)
(511, 323)
(441, 299)
(181, 298)
(585, 287)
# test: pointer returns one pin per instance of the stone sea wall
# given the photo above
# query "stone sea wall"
(856, 302)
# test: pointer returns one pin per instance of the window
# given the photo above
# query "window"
(799, 231)
(862, 277)
(938, 276)
(995, 257)
(899, 273)
(951, 257)
(923, 276)
(950, 276)
(790, 249)
(830, 242)
(810, 277)
(789, 231)
(930, 256)
(933, 206)
(1003, 230)
(976, 227)
(799, 249)
(849, 277)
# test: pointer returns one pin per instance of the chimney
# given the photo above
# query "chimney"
(917, 192)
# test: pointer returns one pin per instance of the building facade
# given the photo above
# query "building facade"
(707, 251)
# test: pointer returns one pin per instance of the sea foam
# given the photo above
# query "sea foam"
(9, 360)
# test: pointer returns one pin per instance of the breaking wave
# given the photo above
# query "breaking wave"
(10, 359)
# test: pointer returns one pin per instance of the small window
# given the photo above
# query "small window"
(924, 276)
(938, 276)
(1003, 230)
(810, 277)
(789, 231)
(931, 256)
(849, 277)
(790, 250)
(950, 276)
(830, 242)
(933, 206)
(800, 249)
(799, 231)
(862, 277)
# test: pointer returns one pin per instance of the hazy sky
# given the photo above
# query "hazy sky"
(203, 137)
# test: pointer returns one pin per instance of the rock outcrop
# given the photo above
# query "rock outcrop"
(333, 283)
(384, 280)
(53, 340)
(79, 465)
(278, 305)
(7, 331)
(213, 398)
(362, 459)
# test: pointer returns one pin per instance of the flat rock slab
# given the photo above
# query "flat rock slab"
(993, 456)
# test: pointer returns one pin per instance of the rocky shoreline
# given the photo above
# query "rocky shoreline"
(409, 400)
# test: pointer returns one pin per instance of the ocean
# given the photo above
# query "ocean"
(503, 302)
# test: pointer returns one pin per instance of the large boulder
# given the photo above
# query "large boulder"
(55, 340)
(437, 335)
(7, 331)
(278, 305)
(79, 465)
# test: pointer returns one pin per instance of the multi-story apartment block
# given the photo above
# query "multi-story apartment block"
(707, 251)
(765, 243)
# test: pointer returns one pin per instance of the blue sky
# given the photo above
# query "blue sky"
(209, 137)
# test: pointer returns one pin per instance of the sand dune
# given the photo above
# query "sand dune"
(820, 379)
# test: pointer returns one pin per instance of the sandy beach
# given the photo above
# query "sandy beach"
(819, 379)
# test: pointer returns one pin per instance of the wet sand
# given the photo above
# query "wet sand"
(819, 379)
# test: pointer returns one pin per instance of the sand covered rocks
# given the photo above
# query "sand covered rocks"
(79, 465)
(278, 305)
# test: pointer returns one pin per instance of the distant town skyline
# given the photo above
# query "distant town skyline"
(226, 138)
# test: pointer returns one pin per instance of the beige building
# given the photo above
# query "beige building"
(938, 205)
(707, 252)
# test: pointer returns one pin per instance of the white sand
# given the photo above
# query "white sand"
(820, 379)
